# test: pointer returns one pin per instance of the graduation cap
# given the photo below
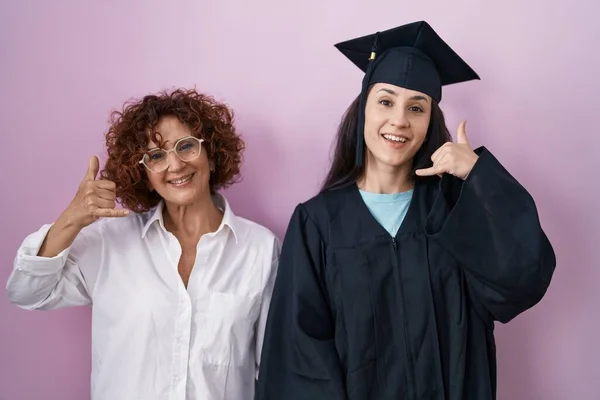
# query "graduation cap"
(412, 56)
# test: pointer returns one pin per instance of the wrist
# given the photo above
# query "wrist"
(69, 220)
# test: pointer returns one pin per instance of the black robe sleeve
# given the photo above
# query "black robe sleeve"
(299, 357)
(489, 223)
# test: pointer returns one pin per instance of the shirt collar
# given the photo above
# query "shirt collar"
(230, 220)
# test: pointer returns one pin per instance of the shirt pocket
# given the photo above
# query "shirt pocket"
(226, 337)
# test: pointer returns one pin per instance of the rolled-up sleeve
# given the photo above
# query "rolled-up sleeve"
(45, 283)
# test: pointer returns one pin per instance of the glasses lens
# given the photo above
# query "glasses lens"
(156, 160)
(188, 149)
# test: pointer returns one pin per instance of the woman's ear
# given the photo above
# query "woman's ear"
(211, 165)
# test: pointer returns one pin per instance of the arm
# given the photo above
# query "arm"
(299, 357)
(47, 275)
(56, 266)
(490, 225)
(265, 303)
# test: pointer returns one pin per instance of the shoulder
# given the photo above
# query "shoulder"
(258, 243)
(253, 232)
(245, 230)
(318, 213)
(329, 204)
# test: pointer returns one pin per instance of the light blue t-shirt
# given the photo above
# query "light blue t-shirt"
(388, 209)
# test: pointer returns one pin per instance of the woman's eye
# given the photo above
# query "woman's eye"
(416, 109)
(385, 103)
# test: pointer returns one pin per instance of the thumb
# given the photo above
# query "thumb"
(93, 168)
(461, 135)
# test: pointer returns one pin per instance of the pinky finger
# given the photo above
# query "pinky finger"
(110, 213)
(435, 170)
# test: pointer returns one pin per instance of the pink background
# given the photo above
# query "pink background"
(65, 64)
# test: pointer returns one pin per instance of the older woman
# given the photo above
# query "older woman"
(180, 285)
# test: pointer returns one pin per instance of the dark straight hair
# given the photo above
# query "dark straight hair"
(343, 168)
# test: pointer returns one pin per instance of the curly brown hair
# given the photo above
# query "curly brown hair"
(128, 136)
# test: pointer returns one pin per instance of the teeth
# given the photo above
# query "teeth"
(182, 180)
(395, 138)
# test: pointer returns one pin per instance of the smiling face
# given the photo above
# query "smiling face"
(182, 183)
(396, 123)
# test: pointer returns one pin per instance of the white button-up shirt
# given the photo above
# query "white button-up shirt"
(152, 338)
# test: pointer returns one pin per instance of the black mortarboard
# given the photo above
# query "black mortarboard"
(411, 56)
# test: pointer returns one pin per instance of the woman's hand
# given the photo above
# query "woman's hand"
(94, 199)
(456, 159)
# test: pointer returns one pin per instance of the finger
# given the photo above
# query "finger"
(93, 168)
(110, 213)
(102, 203)
(461, 134)
(441, 149)
(443, 159)
(106, 184)
(439, 155)
(435, 170)
(106, 194)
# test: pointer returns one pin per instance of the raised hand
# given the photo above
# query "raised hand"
(455, 159)
(94, 199)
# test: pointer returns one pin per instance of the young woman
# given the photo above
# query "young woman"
(391, 279)
(179, 285)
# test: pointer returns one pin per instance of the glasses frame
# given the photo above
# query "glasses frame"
(173, 150)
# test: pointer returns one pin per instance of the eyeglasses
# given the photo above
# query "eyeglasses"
(187, 149)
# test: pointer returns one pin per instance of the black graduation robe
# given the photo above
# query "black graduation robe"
(357, 314)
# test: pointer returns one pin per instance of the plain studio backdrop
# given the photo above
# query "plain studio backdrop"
(64, 65)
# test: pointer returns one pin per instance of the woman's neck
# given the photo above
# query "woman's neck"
(385, 179)
(193, 220)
